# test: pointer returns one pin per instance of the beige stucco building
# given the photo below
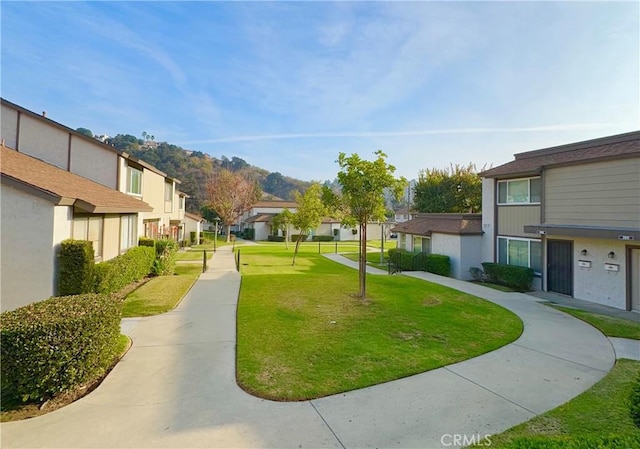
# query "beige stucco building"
(572, 213)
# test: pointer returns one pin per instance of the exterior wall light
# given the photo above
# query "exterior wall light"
(611, 255)
(583, 252)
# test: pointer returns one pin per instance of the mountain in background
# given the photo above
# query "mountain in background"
(194, 168)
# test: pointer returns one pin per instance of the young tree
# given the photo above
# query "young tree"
(362, 199)
(230, 194)
(457, 189)
(309, 214)
(282, 222)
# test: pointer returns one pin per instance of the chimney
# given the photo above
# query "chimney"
(44, 113)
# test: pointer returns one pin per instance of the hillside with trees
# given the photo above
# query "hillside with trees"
(195, 168)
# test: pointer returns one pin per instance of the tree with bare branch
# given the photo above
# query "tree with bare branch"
(229, 194)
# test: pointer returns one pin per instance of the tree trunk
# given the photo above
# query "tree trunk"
(228, 233)
(286, 237)
(363, 261)
(295, 253)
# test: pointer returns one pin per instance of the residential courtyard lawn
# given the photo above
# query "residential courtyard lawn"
(610, 326)
(388, 244)
(161, 293)
(193, 255)
(599, 415)
(303, 334)
(373, 259)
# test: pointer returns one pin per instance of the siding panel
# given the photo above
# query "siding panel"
(512, 219)
(597, 194)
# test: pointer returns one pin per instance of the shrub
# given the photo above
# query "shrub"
(406, 260)
(115, 274)
(165, 263)
(336, 232)
(518, 278)
(477, 274)
(295, 237)
(249, 234)
(275, 238)
(209, 235)
(438, 264)
(51, 346)
(145, 241)
(192, 237)
(322, 238)
(634, 403)
(75, 267)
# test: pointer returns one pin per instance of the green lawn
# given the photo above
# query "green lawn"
(610, 326)
(193, 255)
(303, 334)
(599, 413)
(388, 244)
(373, 259)
(162, 293)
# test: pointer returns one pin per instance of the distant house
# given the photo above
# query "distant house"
(193, 223)
(402, 214)
(572, 213)
(42, 205)
(260, 217)
(458, 236)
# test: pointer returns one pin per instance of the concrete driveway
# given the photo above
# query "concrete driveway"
(176, 386)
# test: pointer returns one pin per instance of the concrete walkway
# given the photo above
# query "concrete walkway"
(176, 386)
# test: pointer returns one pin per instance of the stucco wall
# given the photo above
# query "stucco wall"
(448, 245)
(43, 141)
(191, 225)
(596, 284)
(91, 160)
(9, 123)
(470, 255)
(27, 257)
(110, 237)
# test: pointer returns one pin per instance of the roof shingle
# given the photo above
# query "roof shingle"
(426, 224)
(81, 192)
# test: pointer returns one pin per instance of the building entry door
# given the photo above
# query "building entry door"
(635, 279)
(560, 266)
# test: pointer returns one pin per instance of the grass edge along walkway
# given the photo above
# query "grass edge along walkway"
(610, 326)
(162, 293)
(303, 335)
(597, 418)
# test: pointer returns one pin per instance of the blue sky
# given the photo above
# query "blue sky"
(288, 85)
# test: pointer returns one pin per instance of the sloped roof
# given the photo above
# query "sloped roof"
(195, 217)
(276, 204)
(532, 162)
(426, 224)
(260, 218)
(65, 188)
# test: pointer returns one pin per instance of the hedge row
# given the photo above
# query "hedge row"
(408, 261)
(322, 238)
(75, 267)
(518, 278)
(165, 261)
(51, 346)
(275, 238)
(295, 237)
(115, 274)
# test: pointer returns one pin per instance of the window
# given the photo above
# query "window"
(181, 204)
(421, 245)
(89, 228)
(168, 196)
(520, 252)
(152, 229)
(417, 244)
(519, 191)
(128, 232)
(134, 181)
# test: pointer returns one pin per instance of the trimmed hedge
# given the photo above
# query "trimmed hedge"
(75, 267)
(294, 237)
(115, 274)
(52, 346)
(249, 234)
(634, 403)
(518, 278)
(408, 261)
(322, 238)
(275, 238)
(438, 264)
(165, 263)
(145, 241)
(192, 237)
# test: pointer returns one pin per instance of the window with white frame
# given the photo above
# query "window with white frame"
(521, 252)
(89, 228)
(128, 232)
(519, 191)
(181, 203)
(168, 196)
(134, 181)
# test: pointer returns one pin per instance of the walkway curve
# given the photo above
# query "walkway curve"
(176, 386)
